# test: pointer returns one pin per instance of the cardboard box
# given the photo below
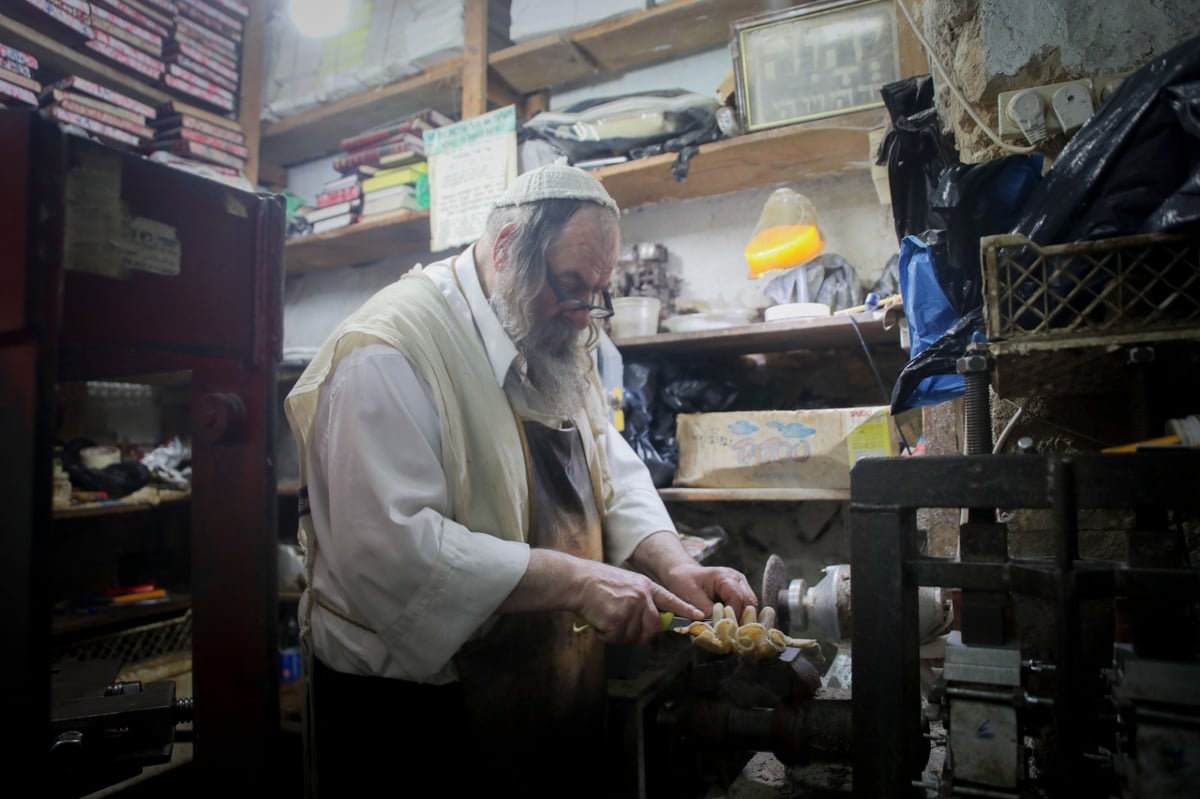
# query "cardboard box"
(780, 449)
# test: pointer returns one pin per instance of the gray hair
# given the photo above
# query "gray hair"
(538, 227)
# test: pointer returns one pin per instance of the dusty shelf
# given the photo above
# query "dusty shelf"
(643, 37)
(827, 332)
(360, 243)
(752, 494)
(835, 145)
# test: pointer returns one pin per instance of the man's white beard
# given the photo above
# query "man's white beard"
(556, 363)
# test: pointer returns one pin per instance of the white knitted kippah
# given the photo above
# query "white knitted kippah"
(555, 182)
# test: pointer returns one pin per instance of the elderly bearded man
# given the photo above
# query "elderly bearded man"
(467, 501)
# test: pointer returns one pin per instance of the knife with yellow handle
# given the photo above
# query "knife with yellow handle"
(665, 618)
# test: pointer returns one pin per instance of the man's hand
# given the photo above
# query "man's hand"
(620, 605)
(663, 557)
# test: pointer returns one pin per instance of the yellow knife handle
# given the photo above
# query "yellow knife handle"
(665, 617)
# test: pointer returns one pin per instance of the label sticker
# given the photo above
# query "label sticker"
(150, 246)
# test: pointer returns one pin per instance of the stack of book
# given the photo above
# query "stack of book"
(392, 189)
(19, 85)
(108, 115)
(189, 48)
(207, 138)
(336, 205)
(203, 57)
(397, 143)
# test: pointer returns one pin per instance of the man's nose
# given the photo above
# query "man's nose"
(579, 317)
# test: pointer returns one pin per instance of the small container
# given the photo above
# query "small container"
(635, 316)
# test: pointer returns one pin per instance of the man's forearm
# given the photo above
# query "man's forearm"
(658, 553)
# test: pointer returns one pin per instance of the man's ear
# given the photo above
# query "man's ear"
(502, 244)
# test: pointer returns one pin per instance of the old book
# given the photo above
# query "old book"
(205, 56)
(182, 106)
(123, 59)
(203, 138)
(230, 134)
(413, 123)
(119, 33)
(221, 101)
(78, 84)
(147, 18)
(333, 223)
(197, 150)
(99, 128)
(196, 68)
(18, 56)
(141, 131)
(20, 80)
(199, 82)
(19, 94)
(60, 96)
(206, 36)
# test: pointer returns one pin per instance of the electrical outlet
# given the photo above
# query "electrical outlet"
(1008, 123)
(1105, 85)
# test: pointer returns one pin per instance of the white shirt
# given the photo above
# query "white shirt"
(374, 477)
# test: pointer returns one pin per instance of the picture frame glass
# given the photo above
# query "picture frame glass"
(815, 60)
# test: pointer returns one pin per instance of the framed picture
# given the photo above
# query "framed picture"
(814, 60)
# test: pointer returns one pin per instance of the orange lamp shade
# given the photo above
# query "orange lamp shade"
(782, 247)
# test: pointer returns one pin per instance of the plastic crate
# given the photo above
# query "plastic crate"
(136, 644)
(1060, 318)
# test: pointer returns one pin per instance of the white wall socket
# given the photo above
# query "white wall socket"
(1009, 126)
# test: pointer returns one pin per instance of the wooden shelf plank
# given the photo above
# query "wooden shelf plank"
(360, 243)
(66, 629)
(116, 507)
(665, 31)
(57, 60)
(316, 132)
(826, 332)
(751, 494)
(643, 37)
(813, 149)
(832, 146)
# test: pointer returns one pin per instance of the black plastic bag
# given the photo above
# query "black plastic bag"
(915, 153)
(1134, 166)
(976, 200)
(640, 387)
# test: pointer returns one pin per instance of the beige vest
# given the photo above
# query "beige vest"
(483, 455)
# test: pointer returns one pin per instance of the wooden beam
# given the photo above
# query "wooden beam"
(272, 176)
(531, 104)
(250, 96)
(913, 60)
(475, 58)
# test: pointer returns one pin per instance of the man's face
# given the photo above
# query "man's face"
(581, 263)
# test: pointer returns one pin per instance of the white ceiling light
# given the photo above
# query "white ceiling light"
(319, 18)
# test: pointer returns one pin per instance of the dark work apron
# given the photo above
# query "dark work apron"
(534, 689)
(528, 713)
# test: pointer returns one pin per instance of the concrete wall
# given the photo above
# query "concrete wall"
(993, 46)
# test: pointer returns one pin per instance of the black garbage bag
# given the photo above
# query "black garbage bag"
(640, 388)
(656, 391)
(976, 200)
(915, 153)
(941, 276)
(1134, 166)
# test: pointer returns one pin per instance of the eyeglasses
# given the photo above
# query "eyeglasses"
(568, 303)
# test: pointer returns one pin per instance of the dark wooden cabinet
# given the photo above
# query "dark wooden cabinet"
(114, 268)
